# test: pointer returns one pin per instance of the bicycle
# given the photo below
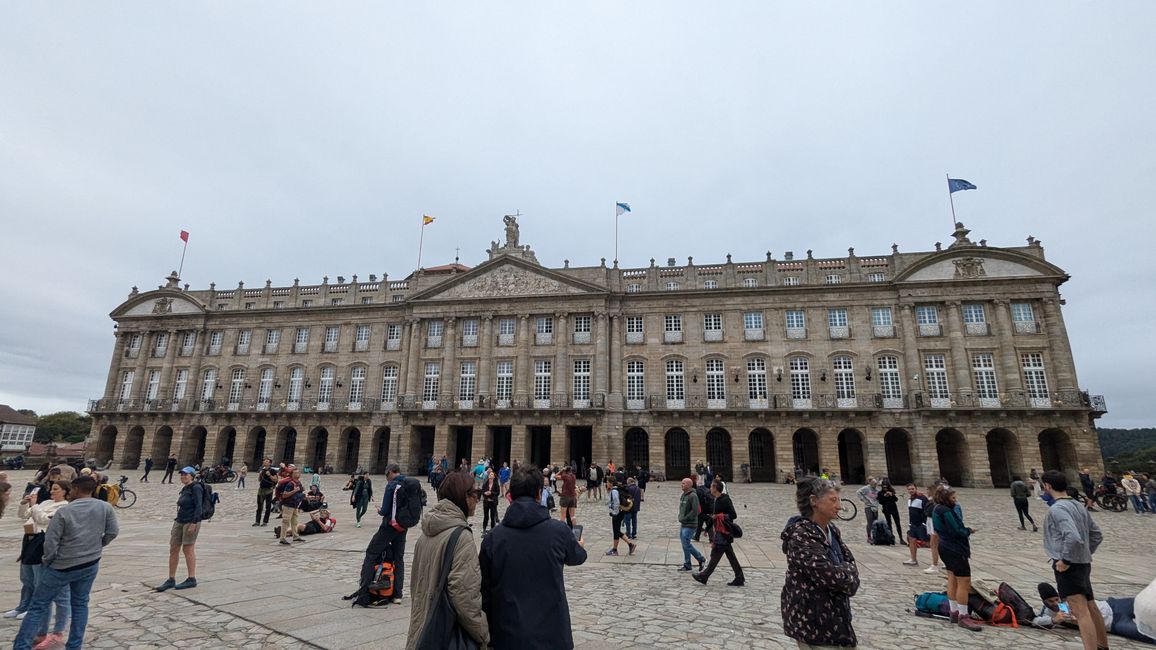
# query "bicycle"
(127, 496)
(1111, 501)
(847, 510)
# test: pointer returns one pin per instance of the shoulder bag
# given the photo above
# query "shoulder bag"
(442, 631)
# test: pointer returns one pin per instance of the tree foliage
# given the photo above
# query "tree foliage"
(63, 426)
(1118, 442)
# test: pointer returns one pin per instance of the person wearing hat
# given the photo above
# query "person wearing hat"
(183, 535)
(1122, 616)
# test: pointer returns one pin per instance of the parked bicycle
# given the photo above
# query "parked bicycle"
(847, 509)
(127, 496)
(1112, 501)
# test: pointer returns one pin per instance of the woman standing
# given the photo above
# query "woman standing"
(889, 503)
(821, 572)
(491, 489)
(361, 493)
(955, 551)
(457, 501)
(36, 517)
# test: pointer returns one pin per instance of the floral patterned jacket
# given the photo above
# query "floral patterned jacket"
(816, 600)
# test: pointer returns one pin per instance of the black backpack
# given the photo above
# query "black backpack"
(208, 501)
(881, 534)
(408, 500)
(705, 500)
(625, 502)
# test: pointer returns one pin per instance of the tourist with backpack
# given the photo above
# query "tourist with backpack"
(191, 503)
(290, 495)
(1071, 536)
(401, 506)
(705, 510)
(955, 550)
(618, 503)
(522, 560)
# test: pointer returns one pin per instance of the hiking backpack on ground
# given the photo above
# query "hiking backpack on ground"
(382, 585)
(880, 534)
(933, 602)
(1010, 597)
(408, 501)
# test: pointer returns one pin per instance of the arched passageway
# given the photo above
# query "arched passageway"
(852, 462)
(1004, 457)
(226, 446)
(951, 448)
(193, 447)
(130, 456)
(350, 445)
(805, 445)
(255, 444)
(105, 445)
(162, 445)
(761, 449)
(677, 448)
(315, 446)
(286, 446)
(1058, 452)
(381, 451)
(637, 451)
(897, 448)
(718, 453)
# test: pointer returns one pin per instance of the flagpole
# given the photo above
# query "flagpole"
(420, 241)
(951, 199)
(181, 268)
(616, 233)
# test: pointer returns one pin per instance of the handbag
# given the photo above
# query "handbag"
(442, 630)
(736, 530)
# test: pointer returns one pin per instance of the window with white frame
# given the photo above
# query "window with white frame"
(332, 333)
(188, 342)
(154, 385)
(800, 378)
(750, 283)
(325, 385)
(983, 371)
(250, 305)
(675, 381)
(712, 323)
(633, 287)
(278, 304)
(935, 372)
(672, 323)
(753, 320)
(126, 379)
(434, 328)
(757, 378)
(973, 313)
(796, 319)
(389, 384)
(431, 384)
(710, 284)
(672, 286)
(467, 381)
(296, 386)
(876, 277)
(1035, 380)
(581, 384)
(208, 383)
(833, 278)
(890, 386)
(506, 326)
(181, 384)
(393, 336)
(927, 315)
(582, 324)
(133, 347)
(1022, 312)
(543, 380)
(160, 344)
(881, 317)
(634, 324)
(844, 378)
(336, 301)
(361, 337)
(544, 325)
(716, 381)
(301, 340)
(635, 381)
(265, 388)
(272, 338)
(215, 339)
(236, 387)
(307, 303)
(366, 300)
(837, 317)
(791, 281)
(356, 386)
(244, 337)
(470, 327)
(397, 297)
(504, 388)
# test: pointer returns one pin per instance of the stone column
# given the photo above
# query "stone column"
(1007, 365)
(924, 459)
(519, 443)
(697, 434)
(1063, 366)
(449, 379)
(522, 371)
(562, 370)
(114, 369)
(829, 448)
(614, 342)
(441, 442)
(486, 358)
(961, 377)
(784, 441)
(559, 450)
(165, 390)
(979, 473)
(912, 364)
(479, 448)
(874, 451)
(411, 382)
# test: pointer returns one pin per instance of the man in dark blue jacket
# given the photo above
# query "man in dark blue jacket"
(523, 592)
(387, 543)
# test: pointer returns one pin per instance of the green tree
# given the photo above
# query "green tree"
(64, 426)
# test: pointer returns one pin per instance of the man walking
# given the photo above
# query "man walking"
(266, 481)
(1070, 539)
(1020, 494)
(388, 541)
(183, 535)
(148, 468)
(688, 522)
(170, 467)
(73, 544)
(521, 563)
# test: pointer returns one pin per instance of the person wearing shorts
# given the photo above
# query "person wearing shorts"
(1071, 536)
(183, 534)
(568, 501)
(955, 551)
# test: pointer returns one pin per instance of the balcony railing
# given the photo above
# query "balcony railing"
(581, 338)
(753, 334)
(883, 331)
(1027, 327)
(930, 329)
(977, 329)
(393, 344)
(556, 401)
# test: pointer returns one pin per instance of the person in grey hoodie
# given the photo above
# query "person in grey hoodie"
(1070, 539)
(72, 551)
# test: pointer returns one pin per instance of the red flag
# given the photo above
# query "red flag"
(185, 236)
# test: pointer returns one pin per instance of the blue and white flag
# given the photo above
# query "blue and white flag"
(957, 184)
(621, 208)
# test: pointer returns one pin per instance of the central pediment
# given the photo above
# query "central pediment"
(507, 278)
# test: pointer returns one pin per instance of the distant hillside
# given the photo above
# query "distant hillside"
(1119, 442)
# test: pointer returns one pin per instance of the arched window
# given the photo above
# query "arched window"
(890, 386)
(296, 386)
(236, 388)
(325, 387)
(208, 384)
(389, 386)
(265, 389)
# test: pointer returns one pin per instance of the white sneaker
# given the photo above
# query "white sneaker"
(21, 615)
(12, 613)
(934, 568)
(911, 562)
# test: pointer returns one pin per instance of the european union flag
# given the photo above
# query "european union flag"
(957, 184)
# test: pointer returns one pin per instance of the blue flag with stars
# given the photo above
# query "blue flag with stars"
(957, 184)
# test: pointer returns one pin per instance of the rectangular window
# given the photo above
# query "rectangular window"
(876, 277)
(397, 297)
(890, 387)
(356, 387)
(181, 385)
(250, 305)
(1035, 379)
(673, 323)
(389, 384)
(712, 322)
(973, 313)
(926, 315)
(675, 383)
(791, 281)
(244, 337)
(935, 369)
(504, 389)
(881, 317)
(434, 328)
(325, 387)
(332, 333)
(716, 383)
(634, 324)
(1022, 312)
(470, 327)
(133, 348)
(393, 332)
(506, 326)
(543, 383)
(160, 344)
(336, 301)
(633, 288)
(710, 284)
(582, 324)
(361, 338)
(307, 303)
(126, 379)
(188, 342)
(154, 385)
(836, 318)
(983, 369)
(750, 283)
(581, 380)
(272, 338)
(467, 381)
(366, 300)
(278, 304)
(834, 279)
(672, 286)
(265, 389)
(757, 378)
(796, 319)
(301, 340)
(753, 320)
(215, 339)
(544, 325)
(209, 384)
(431, 385)
(236, 388)
(635, 383)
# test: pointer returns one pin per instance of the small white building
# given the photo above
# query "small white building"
(16, 430)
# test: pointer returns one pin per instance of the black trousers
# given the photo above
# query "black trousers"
(716, 553)
(705, 523)
(145, 478)
(891, 511)
(264, 504)
(489, 514)
(387, 542)
(168, 475)
(1022, 510)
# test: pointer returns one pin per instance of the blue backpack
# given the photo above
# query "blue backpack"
(933, 602)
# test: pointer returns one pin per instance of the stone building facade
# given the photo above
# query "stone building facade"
(953, 363)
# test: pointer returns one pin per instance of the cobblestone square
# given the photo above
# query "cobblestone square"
(255, 594)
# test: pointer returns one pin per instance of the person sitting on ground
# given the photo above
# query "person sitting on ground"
(320, 521)
(1118, 613)
(314, 500)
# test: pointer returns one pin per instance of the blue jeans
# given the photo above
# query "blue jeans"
(688, 549)
(1137, 504)
(61, 601)
(630, 521)
(51, 582)
(27, 585)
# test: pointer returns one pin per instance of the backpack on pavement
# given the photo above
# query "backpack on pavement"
(880, 534)
(933, 602)
(1010, 597)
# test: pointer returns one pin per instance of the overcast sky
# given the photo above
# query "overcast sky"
(303, 139)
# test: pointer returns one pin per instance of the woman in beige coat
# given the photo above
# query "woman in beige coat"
(457, 500)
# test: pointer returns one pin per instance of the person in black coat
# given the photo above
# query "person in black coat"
(721, 541)
(523, 592)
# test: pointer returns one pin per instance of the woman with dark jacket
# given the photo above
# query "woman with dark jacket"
(491, 490)
(360, 495)
(721, 539)
(889, 503)
(821, 572)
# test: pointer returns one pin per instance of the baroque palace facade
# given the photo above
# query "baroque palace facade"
(952, 363)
